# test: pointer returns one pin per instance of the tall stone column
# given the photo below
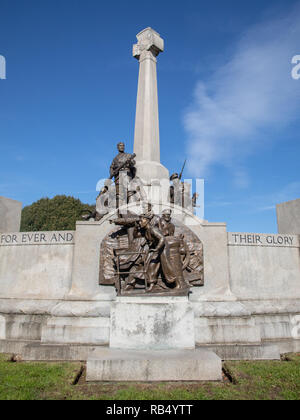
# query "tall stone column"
(146, 137)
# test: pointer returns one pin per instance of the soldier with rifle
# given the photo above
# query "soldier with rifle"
(177, 189)
(123, 163)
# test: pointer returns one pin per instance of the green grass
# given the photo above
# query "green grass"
(266, 380)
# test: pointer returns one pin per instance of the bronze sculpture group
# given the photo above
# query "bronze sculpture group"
(143, 254)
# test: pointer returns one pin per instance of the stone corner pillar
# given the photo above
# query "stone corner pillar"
(146, 137)
(288, 217)
(10, 215)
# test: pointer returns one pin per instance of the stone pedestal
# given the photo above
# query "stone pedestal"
(152, 323)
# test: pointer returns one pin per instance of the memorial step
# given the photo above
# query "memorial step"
(113, 365)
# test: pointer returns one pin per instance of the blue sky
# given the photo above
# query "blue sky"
(227, 100)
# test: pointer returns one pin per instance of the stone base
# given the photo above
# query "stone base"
(64, 330)
(172, 365)
(152, 323)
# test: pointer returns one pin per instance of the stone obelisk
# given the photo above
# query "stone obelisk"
(146, 137)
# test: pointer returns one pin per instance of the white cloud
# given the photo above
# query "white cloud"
(246, 100)
(267, 202)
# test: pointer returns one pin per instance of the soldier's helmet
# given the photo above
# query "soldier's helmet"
(174, 176)
(167, 211)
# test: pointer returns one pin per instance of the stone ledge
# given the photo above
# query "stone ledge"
(220, 309)
(245, 351)
(57, 308)
(272, 307)
(35, 351)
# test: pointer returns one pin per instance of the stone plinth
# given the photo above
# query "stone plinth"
(173, 365)
(152, 323)
(10, 215)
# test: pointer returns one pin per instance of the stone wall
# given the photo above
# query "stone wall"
(264, 266)
(36, 265)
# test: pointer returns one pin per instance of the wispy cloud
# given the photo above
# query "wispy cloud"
(268, 202)
(219, 203)
(247, 99)
(260, 202)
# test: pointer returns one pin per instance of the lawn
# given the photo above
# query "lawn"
(263, 380)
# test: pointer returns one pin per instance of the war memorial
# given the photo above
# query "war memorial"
(143, 289)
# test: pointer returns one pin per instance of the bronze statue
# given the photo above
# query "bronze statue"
(176, 190)
(166, 226)
(146, 256)
(102, 206)
(123, 171)
(122, 162)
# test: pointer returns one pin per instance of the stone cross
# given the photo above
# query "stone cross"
(146, 137)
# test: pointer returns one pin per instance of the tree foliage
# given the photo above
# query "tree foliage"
(58, 213)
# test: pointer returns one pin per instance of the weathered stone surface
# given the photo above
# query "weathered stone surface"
(27, 306)
(152, 323)
(246, 351)
(24, 327)
(76, 330)
(13, 346)
(288, 217)
(54, 308)
(46, 352)
(217, 330)
(171, 365)
(85, 270)
(83, 309)
(265, 271)
(288, 346)
(277, 327)
(272, 307)
(35, 270)
(2, 328)
(216, 269)
(10, 215)
(219, 309)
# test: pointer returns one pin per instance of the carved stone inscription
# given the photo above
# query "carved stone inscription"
(37, 238)
(259, 239)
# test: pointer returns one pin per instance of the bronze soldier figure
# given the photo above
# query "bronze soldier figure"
(165, 225)
(124, 164)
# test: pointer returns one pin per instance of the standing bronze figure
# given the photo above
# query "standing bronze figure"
(123, 171)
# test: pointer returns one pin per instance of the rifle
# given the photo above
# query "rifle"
(181, 173)
(122, 166)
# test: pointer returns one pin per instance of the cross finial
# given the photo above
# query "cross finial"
(148, 40)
